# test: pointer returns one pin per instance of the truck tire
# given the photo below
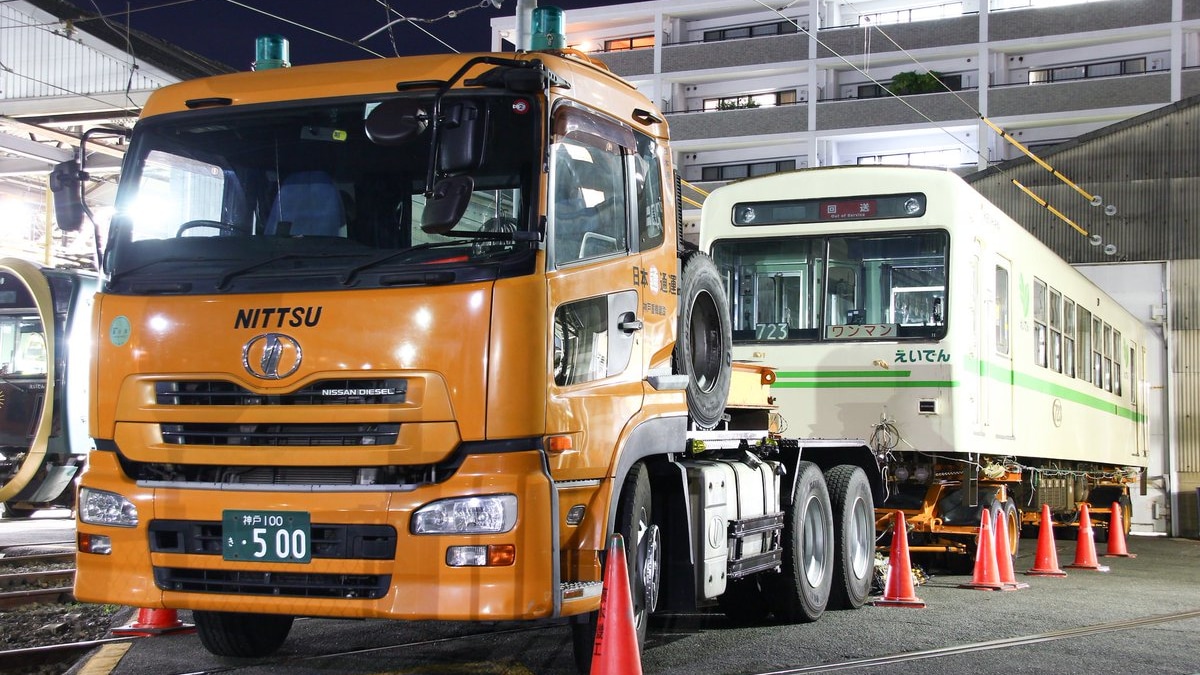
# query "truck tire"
(643, 557)
(801, 592)
(242, 635)
(853, 535)
(704, 346)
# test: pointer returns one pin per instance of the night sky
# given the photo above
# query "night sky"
(224, 30)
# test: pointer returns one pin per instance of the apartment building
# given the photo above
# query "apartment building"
(752, 87)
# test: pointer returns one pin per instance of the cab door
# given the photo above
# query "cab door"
(595, 294)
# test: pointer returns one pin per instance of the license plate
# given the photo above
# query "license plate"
(266, 536)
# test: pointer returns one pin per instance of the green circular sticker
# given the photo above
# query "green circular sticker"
(118, 332)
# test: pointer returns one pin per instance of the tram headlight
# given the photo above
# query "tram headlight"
(488, 514)
(98, 507)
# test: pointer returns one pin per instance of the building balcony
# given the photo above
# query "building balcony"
(1016, 24)
(889, 111)
(1075, 95)
(726, 124)
(951, 36)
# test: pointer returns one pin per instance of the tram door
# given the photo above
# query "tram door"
(996, 328)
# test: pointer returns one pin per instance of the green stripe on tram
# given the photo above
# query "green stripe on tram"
(897, 379)
(853, 379)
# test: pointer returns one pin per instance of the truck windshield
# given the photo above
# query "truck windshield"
(313, 196)
(880, 286)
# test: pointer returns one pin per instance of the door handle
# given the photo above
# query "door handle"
(629, 323)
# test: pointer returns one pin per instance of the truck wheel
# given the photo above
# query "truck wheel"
(802, 590)
(643, 556)
(242, 635)
(853, 535)
(704, 346)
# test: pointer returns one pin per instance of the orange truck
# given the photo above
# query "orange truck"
(411, 338)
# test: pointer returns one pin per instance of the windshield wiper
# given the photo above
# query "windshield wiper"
(223, 282)
(394, 255)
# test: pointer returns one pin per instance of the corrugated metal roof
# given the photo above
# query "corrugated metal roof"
(1147, 168)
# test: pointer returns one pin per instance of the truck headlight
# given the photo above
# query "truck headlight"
(97, 507)
(490, 514)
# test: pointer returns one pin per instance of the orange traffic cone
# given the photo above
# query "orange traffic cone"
(1116, 535)
(151, 622)
(898, 591)
(1004, 555)
(986, 576)
(616, 648)
(1045, 563)
(1085, 549)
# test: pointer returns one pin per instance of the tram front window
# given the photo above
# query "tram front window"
(854, 287)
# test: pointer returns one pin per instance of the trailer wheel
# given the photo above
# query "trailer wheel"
(704, 346)
(643, 556)
(242, 635)
(801, 592)
(1012, 521)
(853, 535)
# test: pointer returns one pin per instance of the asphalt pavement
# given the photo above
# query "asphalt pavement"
(1142, 616)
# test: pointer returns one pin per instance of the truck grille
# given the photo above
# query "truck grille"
(375, 391)
(288, 584)
(351, 542)
(280, 434)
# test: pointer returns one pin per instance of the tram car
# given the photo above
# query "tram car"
(902, 307)
(45, 317)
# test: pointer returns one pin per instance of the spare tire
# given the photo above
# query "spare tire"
(704, 346)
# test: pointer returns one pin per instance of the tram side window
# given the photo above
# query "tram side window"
(1056, 341)
(1068, 333)
(1106, 364)
(1085, 344)
(1002, 327)
(1098, 352)
(1039, 322)
(1116, 352)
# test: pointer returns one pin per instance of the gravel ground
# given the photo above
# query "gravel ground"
(40, 625)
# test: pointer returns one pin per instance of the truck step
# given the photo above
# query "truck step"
(755, 563)
(579, 590)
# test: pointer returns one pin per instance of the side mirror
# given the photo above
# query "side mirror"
(65, 183)
(464, 127)
(395, 122)
(446, 206)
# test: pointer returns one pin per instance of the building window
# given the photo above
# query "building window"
(776, 98)
(625, 44)
(950, 82)
(1081, 72)
(736, 171)
(757, 30)
(943, 11)
(946, 158)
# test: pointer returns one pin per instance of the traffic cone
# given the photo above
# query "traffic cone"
(151, 622)
(1045, 563)
(1004, 556)
(1116, 535)
(1085, 549)
(898, 591)
(616, 648)
(986, 576)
